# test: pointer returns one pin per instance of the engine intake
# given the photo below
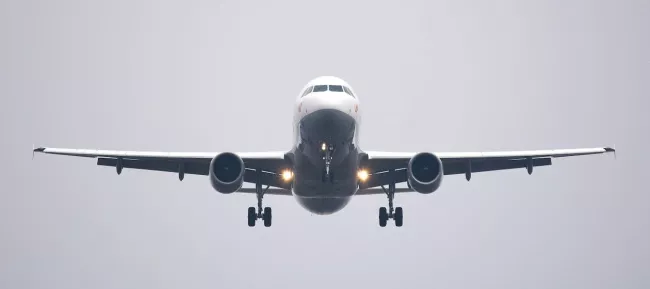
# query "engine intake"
(425, 173)
(227, 173)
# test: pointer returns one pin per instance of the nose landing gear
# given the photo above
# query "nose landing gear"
(396, 214)
(327, 173)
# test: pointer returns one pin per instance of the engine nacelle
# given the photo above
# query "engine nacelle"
(425, 173)
(227, 173)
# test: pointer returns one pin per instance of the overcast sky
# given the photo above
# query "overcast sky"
(223, 76)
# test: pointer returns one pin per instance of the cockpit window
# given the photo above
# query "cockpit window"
(336, 88)
(323, 87)
(348, 91)
(307, 91)
(320, 88)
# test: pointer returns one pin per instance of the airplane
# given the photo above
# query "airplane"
(326, 166)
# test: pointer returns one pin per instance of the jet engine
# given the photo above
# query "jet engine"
(227, 173)
(425, 173)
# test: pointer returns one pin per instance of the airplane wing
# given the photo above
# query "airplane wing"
(380, 164)
(181, 163)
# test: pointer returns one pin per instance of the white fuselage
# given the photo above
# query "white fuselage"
(326, 152)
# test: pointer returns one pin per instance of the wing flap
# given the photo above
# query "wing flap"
(460, 167)
(269, 191)
(384, 178)
(266, 178)
(380, 191)
(193, 168)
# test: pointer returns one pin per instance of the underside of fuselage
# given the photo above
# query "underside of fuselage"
(326, 161)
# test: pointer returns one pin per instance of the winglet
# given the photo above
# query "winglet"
(611, 150)
(35, 150)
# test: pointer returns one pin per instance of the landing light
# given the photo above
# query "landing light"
(363, 175)
(324, 147)
(287, 175)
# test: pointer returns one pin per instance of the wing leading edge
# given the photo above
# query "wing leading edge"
(380, 163)
(271, 163)
(195, 163)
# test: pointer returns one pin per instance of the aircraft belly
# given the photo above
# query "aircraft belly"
(313, 192)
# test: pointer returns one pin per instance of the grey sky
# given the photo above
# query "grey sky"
(223, 75)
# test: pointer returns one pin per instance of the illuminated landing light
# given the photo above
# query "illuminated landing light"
(287, 175)
(363, 175)
(323, 147)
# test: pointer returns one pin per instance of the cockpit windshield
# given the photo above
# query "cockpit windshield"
(323, 87)
(336, 88)
(320, 88)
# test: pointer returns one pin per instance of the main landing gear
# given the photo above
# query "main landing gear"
(265, 214)
(396, 214)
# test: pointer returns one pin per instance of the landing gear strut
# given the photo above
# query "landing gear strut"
(396, 214)
(265, 214)
(327, 174)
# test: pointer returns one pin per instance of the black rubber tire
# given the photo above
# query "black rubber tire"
(383, 216)
(267, 216)
(399, 216)
(252, 216)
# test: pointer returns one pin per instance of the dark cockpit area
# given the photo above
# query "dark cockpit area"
(323, 88)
